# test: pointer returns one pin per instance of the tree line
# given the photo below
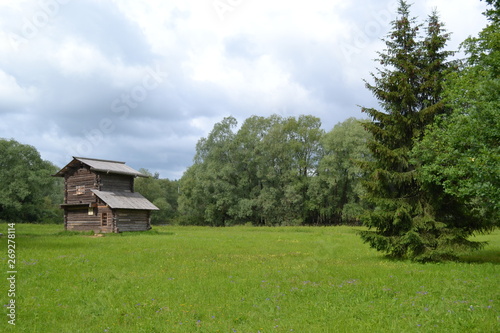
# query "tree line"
(275, 171)
(272, 171)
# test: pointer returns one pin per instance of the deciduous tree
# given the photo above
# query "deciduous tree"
(461, 152)
(28, 193)
(336, 191)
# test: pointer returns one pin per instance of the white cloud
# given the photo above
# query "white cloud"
(76, 58)
(12, 94)
(462, 19)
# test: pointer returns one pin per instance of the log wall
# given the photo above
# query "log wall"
(78, 219)
(115, 183)
(79, 177)
(132, 220)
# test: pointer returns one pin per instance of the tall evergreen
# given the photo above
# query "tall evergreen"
(408, 221)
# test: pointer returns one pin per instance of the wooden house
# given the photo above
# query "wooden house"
(99, 195)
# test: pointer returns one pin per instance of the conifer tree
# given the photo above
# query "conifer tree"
(409, 222)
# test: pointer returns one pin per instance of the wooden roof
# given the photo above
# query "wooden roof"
(125, 200)
(106, 166)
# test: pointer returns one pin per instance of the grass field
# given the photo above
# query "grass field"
(241, 279)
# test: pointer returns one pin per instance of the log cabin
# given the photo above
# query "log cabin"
(99, 196)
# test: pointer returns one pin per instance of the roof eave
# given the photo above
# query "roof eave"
(119, 172)
(96, 159)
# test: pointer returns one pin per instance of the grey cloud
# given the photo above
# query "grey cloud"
(102, 24)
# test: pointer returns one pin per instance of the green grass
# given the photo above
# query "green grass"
(242, 279)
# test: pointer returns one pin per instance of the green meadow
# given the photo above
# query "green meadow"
(241, 279)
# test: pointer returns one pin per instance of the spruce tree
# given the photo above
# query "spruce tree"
(408, 220)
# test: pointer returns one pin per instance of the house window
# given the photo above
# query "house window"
(80, 189)
(104, 219)
(91, 211)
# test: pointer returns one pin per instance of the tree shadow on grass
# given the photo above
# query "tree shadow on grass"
(482, 257)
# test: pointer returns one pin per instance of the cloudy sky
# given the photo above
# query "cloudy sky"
(142, 81)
